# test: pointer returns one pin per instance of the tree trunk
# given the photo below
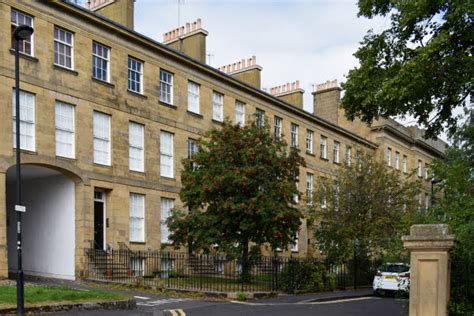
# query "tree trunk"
(245, 277)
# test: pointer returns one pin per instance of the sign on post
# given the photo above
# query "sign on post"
(20, 208)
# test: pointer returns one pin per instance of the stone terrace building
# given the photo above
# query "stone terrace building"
(107, 115)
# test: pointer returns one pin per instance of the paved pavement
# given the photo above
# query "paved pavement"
(359, 302)
(350, 307)
(327, 304)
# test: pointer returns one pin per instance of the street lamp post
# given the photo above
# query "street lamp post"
(21, 32)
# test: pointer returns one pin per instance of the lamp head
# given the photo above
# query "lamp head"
(22, 32)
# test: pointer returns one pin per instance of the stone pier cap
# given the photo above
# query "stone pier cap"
(429, 237)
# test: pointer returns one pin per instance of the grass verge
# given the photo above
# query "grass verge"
(36, 295)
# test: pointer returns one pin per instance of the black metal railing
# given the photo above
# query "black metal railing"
(221, 273)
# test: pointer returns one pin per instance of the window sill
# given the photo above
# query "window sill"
(105, 83)
(137, 242)
(172, 106)
(72, 71)
(310, 154)
(217, 122)
(96, 164)
(27, 151)
(195, 114)
(337, 163)
(141, 173)
(168, 178)
(66, 158)
(322, 158)
(137, 94)
(25, 56)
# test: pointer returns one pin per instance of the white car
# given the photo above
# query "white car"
(392, 277)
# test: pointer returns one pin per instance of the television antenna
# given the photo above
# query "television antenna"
(209, 56)
(180, 2)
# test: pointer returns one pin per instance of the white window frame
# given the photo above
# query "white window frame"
(336, 152)
(277, 127)
(193, 97)
(397, 160)
(62, 43)
(405, 163)
(309, 188)
(296, 197)
(217, 106)
(166, 205)
(27, 119)
(239, 113)
(420, 174)
(388, 156)
(65, 129)
(137, 266)
(192, 147)
(166, 86)
(98, 138)
(323, 148)
(294, 135)
(294, 244)
(135, 75)
(309, 141)
(27, 20)
(102, 58)
(426, 171)
(349, 155)
(137, 208)
(136, 145)
(259, 118)
(166, 154)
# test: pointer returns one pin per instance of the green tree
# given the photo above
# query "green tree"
(364, 209)
(422, 65)
(239, 189)
(454, 205)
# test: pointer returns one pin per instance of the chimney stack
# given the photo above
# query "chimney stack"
(327, 97)
(246, 70)
(289, 92)
(120, 11)
(189, 39)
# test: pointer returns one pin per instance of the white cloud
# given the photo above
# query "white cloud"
(312, 41)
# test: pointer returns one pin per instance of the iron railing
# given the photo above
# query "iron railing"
(221, 273)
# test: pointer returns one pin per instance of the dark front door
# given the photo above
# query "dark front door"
(99, 224)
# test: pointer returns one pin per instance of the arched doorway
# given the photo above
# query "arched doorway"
(48, 224)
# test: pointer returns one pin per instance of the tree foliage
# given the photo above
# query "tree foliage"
(422, 65)
(239, 188)
(364, 209)
(454, 205)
